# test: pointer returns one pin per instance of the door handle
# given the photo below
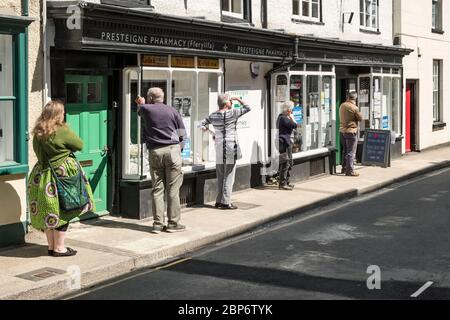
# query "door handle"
(105, 150)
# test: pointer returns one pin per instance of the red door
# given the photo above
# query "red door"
(408, 117)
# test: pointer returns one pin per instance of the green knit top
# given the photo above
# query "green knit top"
(58, 147)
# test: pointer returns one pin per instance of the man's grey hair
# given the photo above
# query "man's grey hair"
(222, 100)
(155, 95)
(352, 95)
(286, 107)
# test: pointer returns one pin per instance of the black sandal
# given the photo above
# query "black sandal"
(50, 252)
(68, 253)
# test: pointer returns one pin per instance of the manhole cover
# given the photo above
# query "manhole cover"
(41, 274)
(245, 205)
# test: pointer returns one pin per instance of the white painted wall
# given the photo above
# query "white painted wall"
(280, 17)
(413, 26)
(252, 137)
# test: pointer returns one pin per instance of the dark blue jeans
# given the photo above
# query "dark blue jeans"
(350, 142)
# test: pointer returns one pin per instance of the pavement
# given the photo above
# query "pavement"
(110, 246)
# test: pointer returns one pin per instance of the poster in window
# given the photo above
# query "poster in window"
(385, 122)
(281, 93)
(297, 111)
(186, 105)
(309, 133)
(177, 102)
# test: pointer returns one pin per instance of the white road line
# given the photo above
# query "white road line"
(422, 289)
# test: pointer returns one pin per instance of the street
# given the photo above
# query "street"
(324, 254)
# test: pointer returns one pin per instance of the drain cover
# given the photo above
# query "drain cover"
(41, 274)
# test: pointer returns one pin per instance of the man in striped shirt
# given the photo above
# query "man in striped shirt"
(227, 148)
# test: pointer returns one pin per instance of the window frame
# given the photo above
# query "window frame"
(437, 105)
(17, 29)
(305, 74)
(436, 15)
(126, 114)
(231, 13)
(363, 13)
(310, 5)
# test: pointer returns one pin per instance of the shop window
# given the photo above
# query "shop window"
(386, 112)
(307, 9)
(369, 14)
(296, 96)
(6, 131)
(436, 16)
(312, 113)
(364, 104)
(192, 92)
(208, 91)
(13, 96)
(376, 103)
(184, 97)
(437, 67)
(326, 97)
(7, 100)
(396, 106)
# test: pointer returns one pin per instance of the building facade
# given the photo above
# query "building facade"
(20, 98)
(103, 53)
(424, 27)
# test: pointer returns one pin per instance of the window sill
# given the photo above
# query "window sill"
(371, 31)
(438, 31)
(299, 21)
(230, 19)
(439, 126)
(13, 169)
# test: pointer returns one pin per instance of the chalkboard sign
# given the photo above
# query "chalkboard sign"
(376, 148)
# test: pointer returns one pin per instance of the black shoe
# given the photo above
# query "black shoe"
(229, 206)
(69, 252)
(50, 252)
(218, 205)
(175, 228)
(285, 187)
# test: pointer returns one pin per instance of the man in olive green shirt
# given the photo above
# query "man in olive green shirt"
(349, 117)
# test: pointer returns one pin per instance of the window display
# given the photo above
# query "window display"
(379, 100)
(313, 96)
(192, 92)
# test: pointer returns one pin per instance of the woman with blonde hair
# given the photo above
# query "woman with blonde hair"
(54, 144)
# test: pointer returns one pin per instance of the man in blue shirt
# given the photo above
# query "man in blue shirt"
(164, 134)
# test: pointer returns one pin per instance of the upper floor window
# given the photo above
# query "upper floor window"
(437, 85)
(369, 14)
(436, 14)
(307, 9)
(234, 8)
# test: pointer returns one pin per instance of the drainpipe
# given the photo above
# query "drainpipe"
(44, 53)
(25, 14)
(268, 77)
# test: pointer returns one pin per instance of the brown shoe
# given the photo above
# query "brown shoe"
(352, 174)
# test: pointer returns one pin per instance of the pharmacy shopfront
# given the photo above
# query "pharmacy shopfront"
(117, 54)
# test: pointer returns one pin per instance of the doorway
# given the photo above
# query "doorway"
(411, 116)
(343, 87)
(88, 116)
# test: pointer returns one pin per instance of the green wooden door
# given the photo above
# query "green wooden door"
(87, 114)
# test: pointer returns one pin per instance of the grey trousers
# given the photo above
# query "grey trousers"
(350, 143)
(167, 178)
(225, 180)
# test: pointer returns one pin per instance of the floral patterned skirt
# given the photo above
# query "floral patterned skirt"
(43, 202)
